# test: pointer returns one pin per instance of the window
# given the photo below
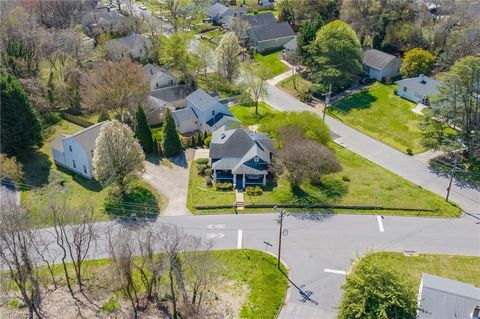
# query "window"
(213, 113)
(156, 84)
(70, 147)
(255, 159)
(74, 165)
(141, 51)
(84, 169)
(171, 81)
(404, 89)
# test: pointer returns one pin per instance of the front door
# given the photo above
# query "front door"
(239, 181)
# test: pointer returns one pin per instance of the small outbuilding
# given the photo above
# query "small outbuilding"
(379, 65)
(418, 89)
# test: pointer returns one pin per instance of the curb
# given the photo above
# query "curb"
(286, 299)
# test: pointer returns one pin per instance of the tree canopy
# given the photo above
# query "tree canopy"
(227, 51)
(118, 157)
(335, 56)
(20, 127)
(375, 291)
(417, 61)
(142, 130)
(306, 35)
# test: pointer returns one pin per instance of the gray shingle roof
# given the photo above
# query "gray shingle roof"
(215, 9)
(172, 93)
(421, 84)
(202, 99)
(131, 41)
(273, 31)
(153, 70)
(87, 137)
(259, 19)
(443, 298)
(185, 114)
(377, 59)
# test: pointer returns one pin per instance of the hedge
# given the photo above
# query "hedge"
(76, 120)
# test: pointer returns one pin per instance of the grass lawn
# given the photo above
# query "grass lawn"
(361, 182)
(46, 182)
(214, 35)
(462, 268)
(213, 84)
(303, 86)
(245, 269)
(383, 115)
(272, 62)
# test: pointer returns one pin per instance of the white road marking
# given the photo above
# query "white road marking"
(215, 235)
(333, 271)
(216, 226)
(240, 239)
(380, 223)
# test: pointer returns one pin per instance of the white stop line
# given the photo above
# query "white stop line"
(240, 239)
(333, 271)
(380, 223)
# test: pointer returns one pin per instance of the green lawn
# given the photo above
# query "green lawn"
(303, 86)
(272, 62)
(244, 269)
(462, 268)
(383, 115)
(47, 183)
(214, 84)
(361, 182)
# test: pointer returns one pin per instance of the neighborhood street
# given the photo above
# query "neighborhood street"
(319, 248)
(403, 165)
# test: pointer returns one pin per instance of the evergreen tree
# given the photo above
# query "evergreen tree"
(142, 130)
(20, 127)
(171, 144)
(200, 139)
(306, 35)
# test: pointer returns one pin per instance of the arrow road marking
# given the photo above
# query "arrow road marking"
(380, 223)
(216, 226)
(333, 271)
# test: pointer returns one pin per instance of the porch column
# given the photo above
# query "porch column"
(234, 180)
(243, 185)
(264, 179)
(214, 174)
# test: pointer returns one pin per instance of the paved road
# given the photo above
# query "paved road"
(9, 195)
(403, 165)
(316, 242)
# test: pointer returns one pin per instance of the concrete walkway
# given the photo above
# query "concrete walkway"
(280, 77)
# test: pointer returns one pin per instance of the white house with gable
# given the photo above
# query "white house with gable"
(159, 77)
(75, 152)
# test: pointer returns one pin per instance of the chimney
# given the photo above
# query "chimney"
(421, 78)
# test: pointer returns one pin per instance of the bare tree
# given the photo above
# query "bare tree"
(59, 13)
(17, 240)
(227, 52)
(74, 234)
(240, 27)
(111, 85)
(205, 56)
(122, 253)
(255, 80)
(304, 159)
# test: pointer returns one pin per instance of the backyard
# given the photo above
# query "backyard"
(378, 112)
(45, 183)
(462, 268)
(249, 278)
(360, 182)
(272, 62)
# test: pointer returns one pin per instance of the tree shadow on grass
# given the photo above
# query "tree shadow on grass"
(138, 203)
(36, 167)
(88, 184)
(362, 100)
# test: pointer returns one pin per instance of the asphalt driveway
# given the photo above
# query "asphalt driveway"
(171, 180)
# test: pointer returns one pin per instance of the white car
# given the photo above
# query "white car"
(142, 7)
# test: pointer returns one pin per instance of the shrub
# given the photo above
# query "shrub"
(202, 161)
(201, 169)
(208, 171)
(208, 181)
(254, 190)
(207, 141)
(223, 186)
(346, 178)
(409, 151)
(111, 306)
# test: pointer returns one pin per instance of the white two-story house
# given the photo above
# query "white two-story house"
(203, 113)
(75, 152)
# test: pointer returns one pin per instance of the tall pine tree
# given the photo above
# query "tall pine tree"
(306, 35)
(142, 130)
(20, 127)
(171, 144)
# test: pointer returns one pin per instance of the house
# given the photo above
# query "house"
(102, 20)
(418, 89)
(75, 152)
(270, 37)
(249, 21)
(156, 102)
(267, 3)
(379, 65)
(443, 298)
(134, 45)
(240, 157)
(159, 77)
(216, 12)
(290, 47)
(207, 114)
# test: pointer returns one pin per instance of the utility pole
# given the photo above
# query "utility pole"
(451, 178)
(327, 101)
(280, 233)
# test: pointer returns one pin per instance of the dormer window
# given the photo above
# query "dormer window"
(256, 159)
(70, 147)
